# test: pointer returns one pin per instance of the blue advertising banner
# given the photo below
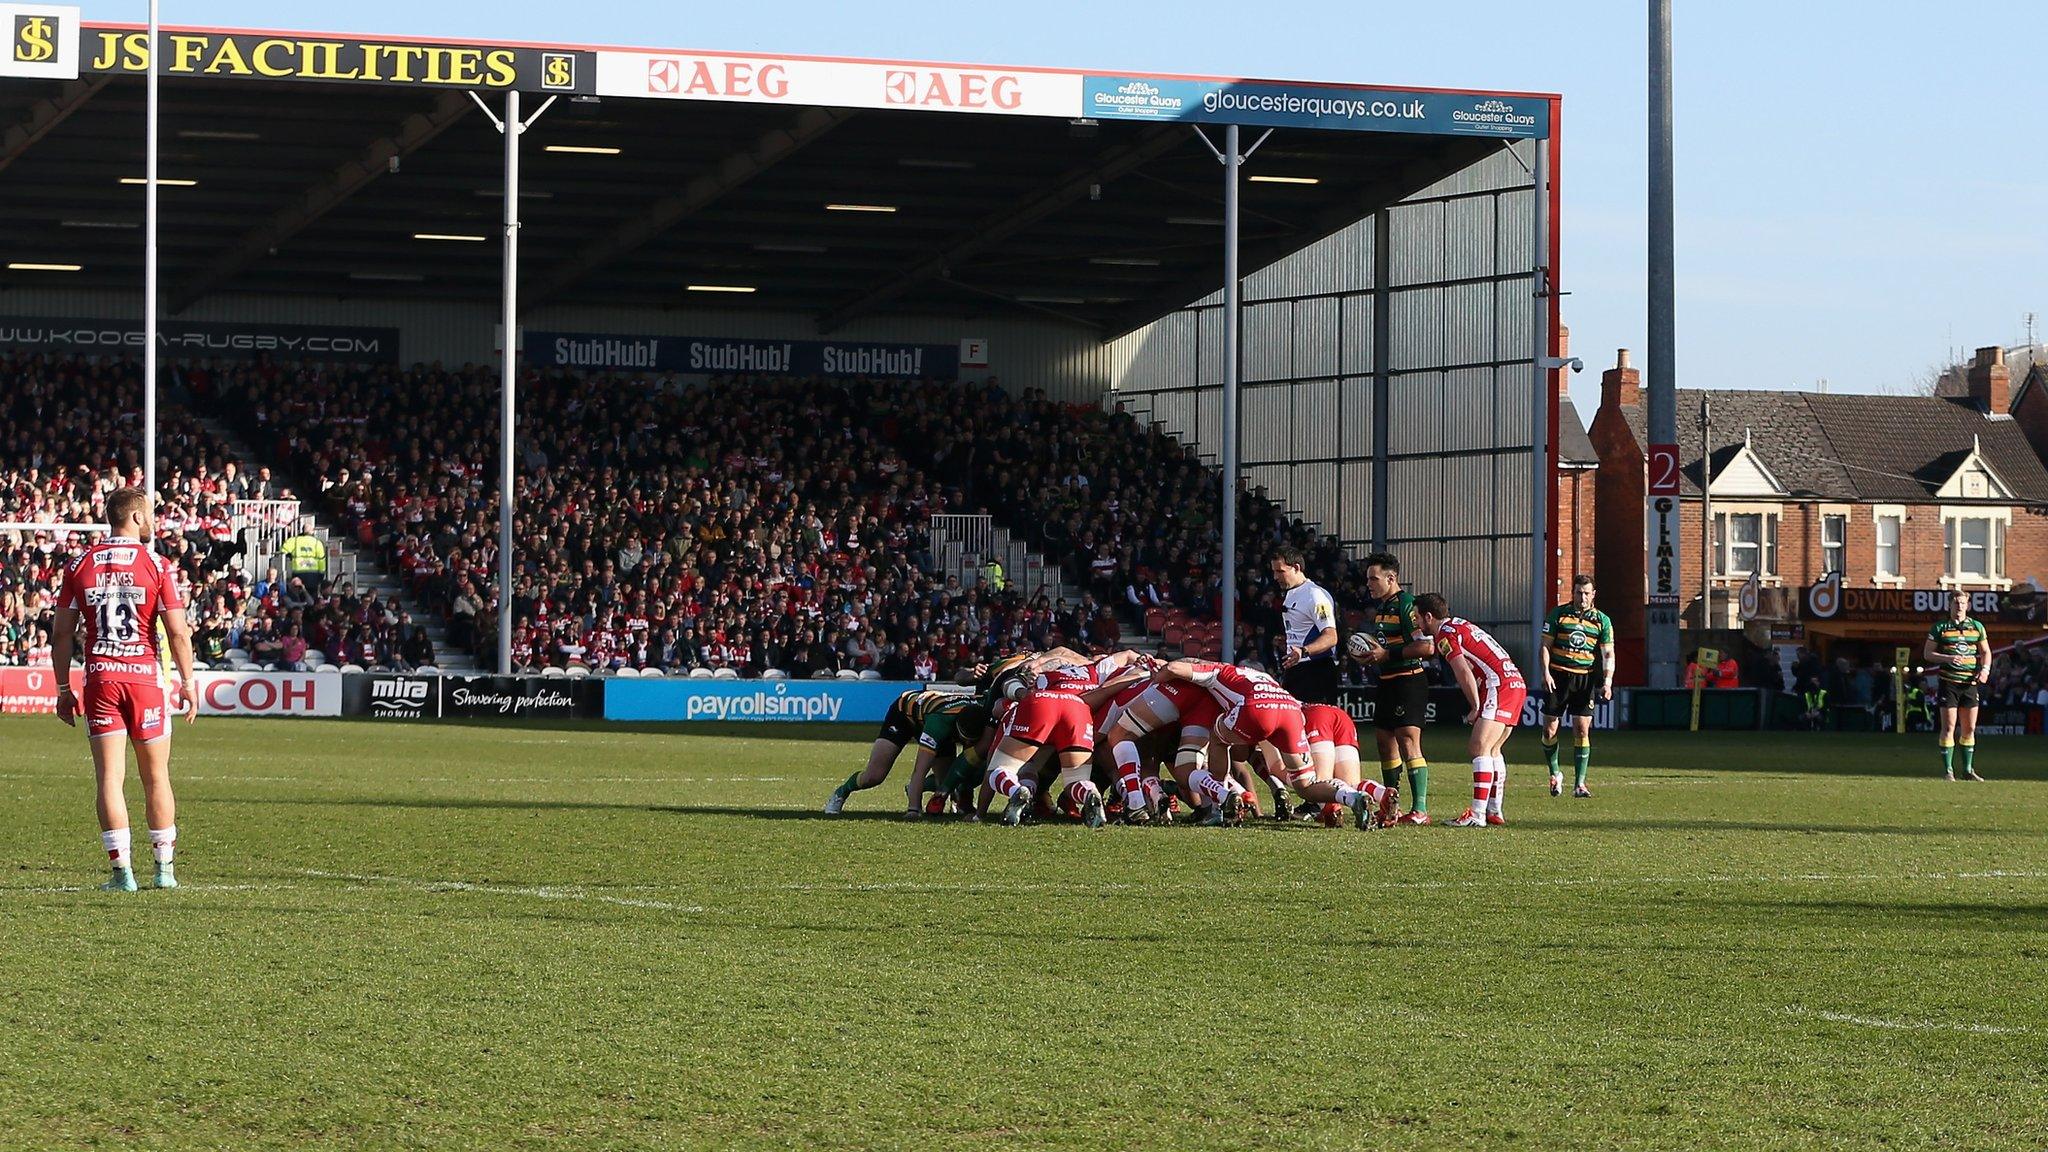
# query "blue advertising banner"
(726, 356)
(829, 701)
(1314, 106)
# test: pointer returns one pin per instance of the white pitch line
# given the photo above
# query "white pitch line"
(17, 890)
(1907, 1025)
(538, 893)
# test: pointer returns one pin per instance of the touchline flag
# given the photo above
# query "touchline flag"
(42, 41)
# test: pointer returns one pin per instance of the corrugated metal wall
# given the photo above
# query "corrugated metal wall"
(1069, 362)
(1458, 386)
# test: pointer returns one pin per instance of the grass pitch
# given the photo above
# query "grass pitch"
(479, 937)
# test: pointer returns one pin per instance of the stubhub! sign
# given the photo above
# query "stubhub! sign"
(818, 701)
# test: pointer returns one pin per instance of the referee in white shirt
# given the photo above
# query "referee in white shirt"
(1310, 617)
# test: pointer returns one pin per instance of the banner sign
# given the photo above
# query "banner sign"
(124, 49)
(838, 83)
(521, 697)
(2009, 720)
(1830, 599)
(335, 343)
(825, 701)
(1315, 106)
(33, 690)
(386, 696)
(42, 41)
(269, 693)
(730, 356)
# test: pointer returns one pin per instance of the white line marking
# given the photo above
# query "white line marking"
(538, 893)
(1907, 1025)
(17, 890)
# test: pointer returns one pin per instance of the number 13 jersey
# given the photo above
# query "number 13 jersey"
(121, 587)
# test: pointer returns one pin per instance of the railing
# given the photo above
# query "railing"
(269, 523)
(959, 539)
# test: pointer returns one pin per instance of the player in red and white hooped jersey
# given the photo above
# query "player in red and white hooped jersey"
(1333, 754)
(122, 589)
(1054, 713)
(1165, 703)
(1493, 687)
(1257, 711)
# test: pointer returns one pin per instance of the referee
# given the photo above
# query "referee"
(1310, 617)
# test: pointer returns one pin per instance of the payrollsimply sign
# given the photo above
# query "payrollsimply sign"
(730, 356)
(76, 335)
(822, 701)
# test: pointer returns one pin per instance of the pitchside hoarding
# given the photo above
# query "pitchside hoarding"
(733, 356)
(824, 701)
(77, 335)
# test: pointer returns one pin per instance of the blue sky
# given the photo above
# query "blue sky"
(1860, 187)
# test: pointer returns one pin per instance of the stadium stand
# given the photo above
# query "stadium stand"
(741, 526)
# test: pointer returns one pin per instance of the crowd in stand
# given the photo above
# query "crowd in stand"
(69, 435)
(742, 524)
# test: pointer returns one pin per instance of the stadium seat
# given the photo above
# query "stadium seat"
(774, 674)
(233, 655)
(552, 672)
(652, 672)
(1155, 619)
(577, 672)
(315, 657)
(700, 673)
(870, 674)
(847, 674)
(1173, 634)
(822, 674)
(427, 670)
(328, 667)
(352, 668)
(725, 674)
(200, 666)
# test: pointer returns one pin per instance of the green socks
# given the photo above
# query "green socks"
(1948, 757)
(1418, 783)
(1390, 774)
(1582, 755)
(851, 786)
(1550, 754)
(1969, 748)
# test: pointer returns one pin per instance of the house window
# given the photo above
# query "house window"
(1746, 543)
(1834, 544)
(1888, 546)
(1974, 548)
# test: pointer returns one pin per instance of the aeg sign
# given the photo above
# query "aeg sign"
(838, 83)
(270, 693)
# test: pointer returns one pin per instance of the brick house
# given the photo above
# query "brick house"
(1850, 517)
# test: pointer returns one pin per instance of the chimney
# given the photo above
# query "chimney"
(1991, 381)
(1564, 351)
(1621, 385)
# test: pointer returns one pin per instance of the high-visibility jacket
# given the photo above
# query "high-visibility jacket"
(304, 554)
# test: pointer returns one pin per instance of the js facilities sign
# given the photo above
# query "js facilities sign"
(337, 59)
(42, 41)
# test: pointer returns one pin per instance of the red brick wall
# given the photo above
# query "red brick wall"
(1921, 543)
(1577, 498)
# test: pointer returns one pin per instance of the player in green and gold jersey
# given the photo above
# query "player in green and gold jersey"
(1578, 654)
(937, 722)
(1392, 642)
(1960, 650)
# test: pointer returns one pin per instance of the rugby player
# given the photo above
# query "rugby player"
(1960, 649)
(1053, 713)
(1333, 754)
(1253, 710)
(1578, 640)
(1394, 645)
(1164, 705)
(123, 589)
(1493, 687)
(932, 720)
